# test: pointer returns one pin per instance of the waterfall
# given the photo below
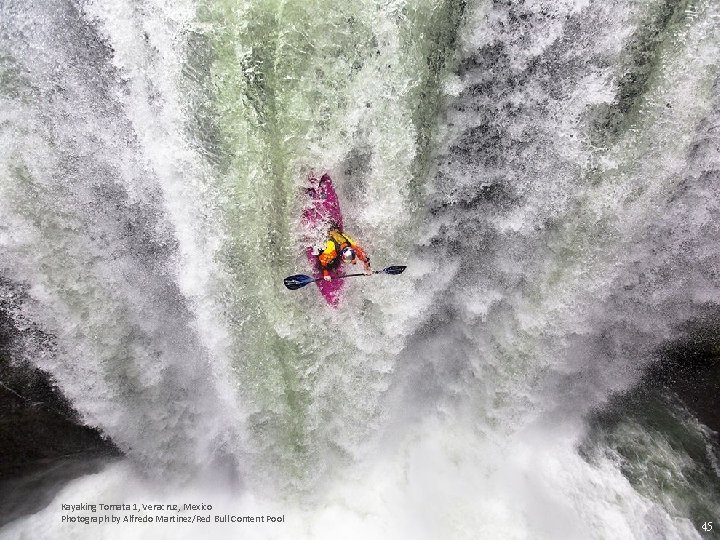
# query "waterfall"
(547, 171)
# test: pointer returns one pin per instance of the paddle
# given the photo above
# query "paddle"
(300, 280)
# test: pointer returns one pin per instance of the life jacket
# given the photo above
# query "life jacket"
(341, 240)
(336, 242)
(331, 256)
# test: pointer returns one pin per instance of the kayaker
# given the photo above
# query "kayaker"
(340, 248)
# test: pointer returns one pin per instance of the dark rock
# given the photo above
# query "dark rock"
(37, 423)
(652, 432)
(690, 368)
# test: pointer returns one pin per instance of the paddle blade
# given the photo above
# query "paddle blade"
(297, 281)
(394, 270)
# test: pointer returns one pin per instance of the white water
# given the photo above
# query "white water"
(150, 157)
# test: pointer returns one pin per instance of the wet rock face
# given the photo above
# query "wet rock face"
(657, 431)
(37, 424)
(691, 369)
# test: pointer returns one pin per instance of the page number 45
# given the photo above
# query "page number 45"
(707, 526)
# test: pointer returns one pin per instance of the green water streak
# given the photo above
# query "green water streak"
(295, 86)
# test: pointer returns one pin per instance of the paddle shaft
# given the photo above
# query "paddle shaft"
(359, 274)
(349, 275)
(300, 280)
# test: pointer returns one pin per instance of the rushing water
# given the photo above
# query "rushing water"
(548, 171)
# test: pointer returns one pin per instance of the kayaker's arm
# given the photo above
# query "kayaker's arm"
(359, 253)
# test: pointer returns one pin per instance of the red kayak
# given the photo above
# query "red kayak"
(321, 213)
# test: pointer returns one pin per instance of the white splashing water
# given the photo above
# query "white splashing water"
(151, 154)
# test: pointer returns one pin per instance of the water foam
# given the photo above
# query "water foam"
(533, 290)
